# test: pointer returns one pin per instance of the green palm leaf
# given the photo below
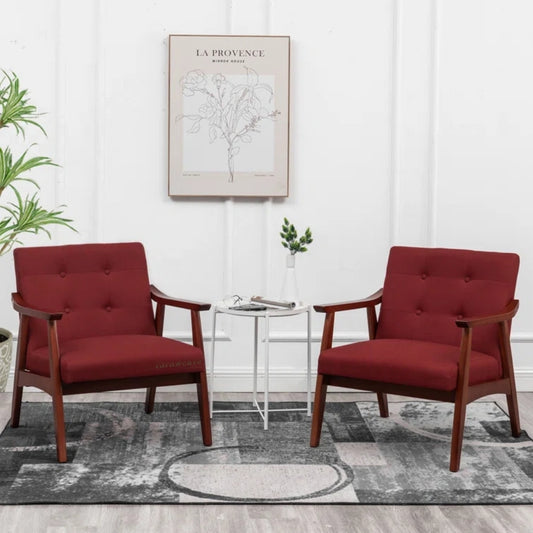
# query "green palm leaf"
(14, 107)
(13, 171)
(25, 215)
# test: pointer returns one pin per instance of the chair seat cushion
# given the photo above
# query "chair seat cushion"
(406, 362)
(119, 356)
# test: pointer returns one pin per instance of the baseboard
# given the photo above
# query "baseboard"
(239, 379)
(524, 380)
(282, 380)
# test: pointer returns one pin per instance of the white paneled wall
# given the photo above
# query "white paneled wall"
(411, 123)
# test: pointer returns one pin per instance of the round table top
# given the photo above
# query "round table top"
(222, 307)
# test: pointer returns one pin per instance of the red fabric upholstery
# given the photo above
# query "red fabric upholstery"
(427, 289)
(107, 330)
(417, 341)
(120, 356)
(102, 289)
(406, 362)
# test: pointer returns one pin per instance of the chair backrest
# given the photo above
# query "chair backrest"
(427, 289)
(102, 289)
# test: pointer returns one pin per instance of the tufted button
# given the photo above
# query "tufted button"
(418, 311)
(62, 274)
(467, 279)
(67, 309)
(107, 271)
(460, 317)
(424, 276)
(108, 308)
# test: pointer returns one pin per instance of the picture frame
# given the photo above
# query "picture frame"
(228, 115)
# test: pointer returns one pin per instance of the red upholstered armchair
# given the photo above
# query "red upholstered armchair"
(87, 325)
(442, 334)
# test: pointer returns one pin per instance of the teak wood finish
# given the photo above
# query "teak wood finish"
(57, 389)
(461, 396)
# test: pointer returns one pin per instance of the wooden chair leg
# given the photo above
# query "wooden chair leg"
(19, 367)
(508, 372)
(149, 400)
(383, 405)
(512, 404)
(203, 404)
(318, 410)
(59, 422)
(457, 433)
(16, 404)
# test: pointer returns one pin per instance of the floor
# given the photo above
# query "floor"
(262, 518)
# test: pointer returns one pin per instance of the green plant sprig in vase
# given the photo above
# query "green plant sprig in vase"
(295, 244)
(290, 238)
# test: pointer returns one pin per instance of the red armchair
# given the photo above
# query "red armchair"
(442, 334)
(87, 325)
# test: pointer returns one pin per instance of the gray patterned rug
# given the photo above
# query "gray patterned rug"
(118, 454)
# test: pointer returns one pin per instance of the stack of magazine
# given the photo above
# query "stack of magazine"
(259, 303)
(280, 304)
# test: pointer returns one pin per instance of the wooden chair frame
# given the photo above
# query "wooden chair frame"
(461, 396)
(57, 389)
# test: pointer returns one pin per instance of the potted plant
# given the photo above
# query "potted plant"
(295, 244)
(19, 214)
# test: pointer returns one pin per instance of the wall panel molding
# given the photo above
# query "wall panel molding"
(434, 123)
(100, 128)
(60, 104)
(411, 103)
(267, 248)
(396, 74)
(409, 117)
(281, 379)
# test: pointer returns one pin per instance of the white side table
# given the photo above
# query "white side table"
(266, 315)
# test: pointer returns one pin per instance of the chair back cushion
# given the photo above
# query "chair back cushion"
(101, 289)
(427, 289)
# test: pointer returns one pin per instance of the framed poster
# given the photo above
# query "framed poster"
(228, 115)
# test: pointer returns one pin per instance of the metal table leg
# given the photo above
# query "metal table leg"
(309, 361)
(267, 335)
(256, 341)
(212, 364)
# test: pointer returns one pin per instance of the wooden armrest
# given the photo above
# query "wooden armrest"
(370, 301)
(509, 312)
(162, 298)
(22, 307)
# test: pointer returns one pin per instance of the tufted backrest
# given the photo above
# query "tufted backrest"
(427, 289)
(102, 289)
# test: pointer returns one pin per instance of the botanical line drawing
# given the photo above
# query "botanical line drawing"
(233, 112)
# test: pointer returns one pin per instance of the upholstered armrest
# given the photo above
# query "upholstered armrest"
(372, 300)
(22, 307)
(162, 298)
(509, 312)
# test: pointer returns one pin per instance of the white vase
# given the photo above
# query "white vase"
(289, 289)
(5, 358)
